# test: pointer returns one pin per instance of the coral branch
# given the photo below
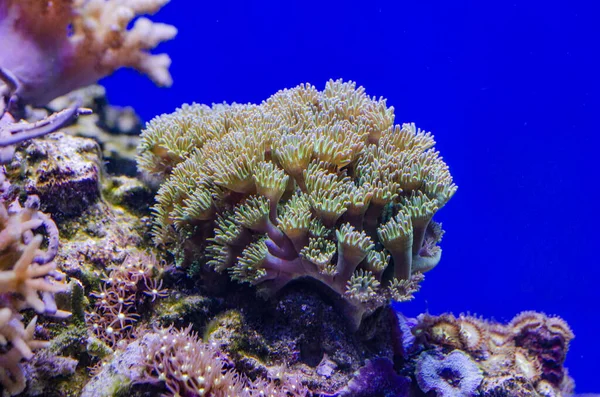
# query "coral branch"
(28, 279)
(43, 58)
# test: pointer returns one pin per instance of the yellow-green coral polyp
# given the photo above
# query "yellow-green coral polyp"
(309, 183)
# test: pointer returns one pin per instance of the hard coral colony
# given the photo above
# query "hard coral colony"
(317, 184)
(313, 194)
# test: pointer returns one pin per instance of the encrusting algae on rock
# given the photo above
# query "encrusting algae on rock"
(317, 184)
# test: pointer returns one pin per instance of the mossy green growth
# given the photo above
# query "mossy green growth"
(97, 348)
(78, 302)
(128, 192)
(70, 341)
(232, 321)
(194, 268)
(120, 387)
(230, 331)
(71, 386)
(92, 277)
(195, 309)
(113, 386)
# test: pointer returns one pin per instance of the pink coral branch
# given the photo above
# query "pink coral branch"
(47, 61)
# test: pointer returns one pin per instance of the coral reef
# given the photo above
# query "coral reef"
(189, 367)
(523, 358)
(176, 362)
(98, 237)
(317, 184)
(315, 191)
(49, 49)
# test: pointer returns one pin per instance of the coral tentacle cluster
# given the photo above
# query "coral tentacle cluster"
(115, 312)
(188, 367)
(318, 184)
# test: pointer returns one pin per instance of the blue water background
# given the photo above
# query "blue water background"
(509, 89)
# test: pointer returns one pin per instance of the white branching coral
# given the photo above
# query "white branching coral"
(52, 47)
(28, 280)
(309, 183)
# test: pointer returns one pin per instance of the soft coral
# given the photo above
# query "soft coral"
(53, 47)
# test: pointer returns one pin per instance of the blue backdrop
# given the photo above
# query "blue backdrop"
(510, 92)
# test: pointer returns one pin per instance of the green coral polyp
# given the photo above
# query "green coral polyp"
(250, 265)
(363, 286)
(376, 262)
(309, 183)
(353, 247)
(253, 214)
(320, 252)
